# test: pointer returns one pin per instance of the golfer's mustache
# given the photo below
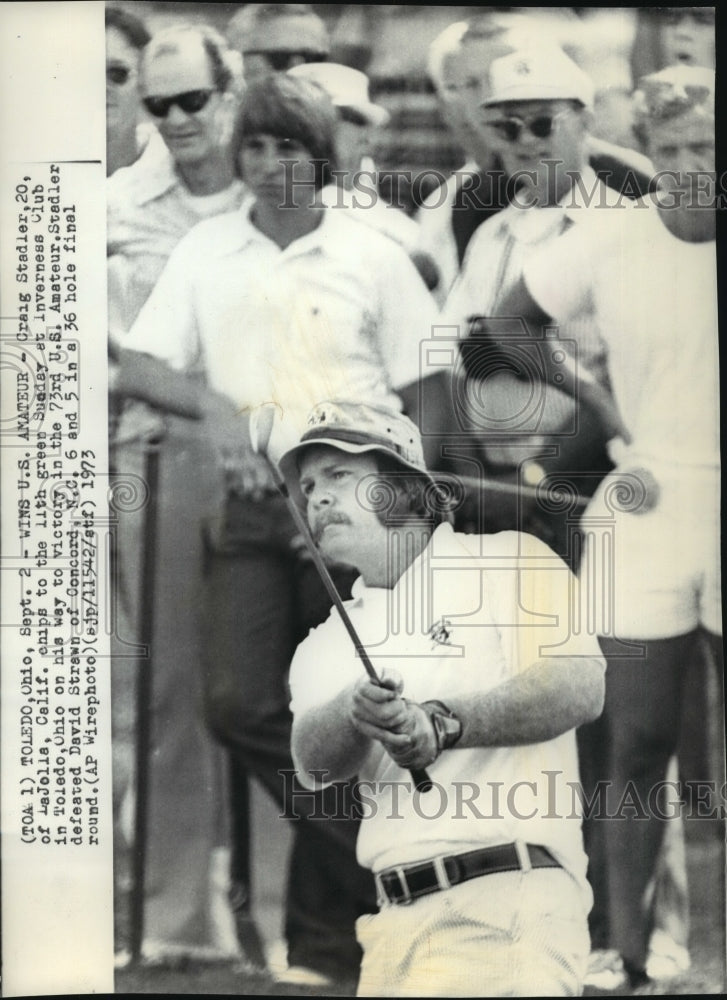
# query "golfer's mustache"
(331, 517)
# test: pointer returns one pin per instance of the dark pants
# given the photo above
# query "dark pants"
(629, 748)
(261, 601)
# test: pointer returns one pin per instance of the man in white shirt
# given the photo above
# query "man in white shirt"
(538, 113)
(652, 281)
(483, 679)
(189, 83)
(284, 300)
(459, 63)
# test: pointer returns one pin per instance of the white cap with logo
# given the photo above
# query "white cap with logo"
(538, 74)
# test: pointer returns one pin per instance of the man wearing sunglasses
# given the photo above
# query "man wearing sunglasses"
(275, 37)
(538, 114)
(188, 78)
(459, 62)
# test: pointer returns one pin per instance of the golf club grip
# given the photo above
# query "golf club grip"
(422, 781)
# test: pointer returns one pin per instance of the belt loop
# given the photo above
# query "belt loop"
(440, 871)
(401, 875)
(523, 854)
(381, 896)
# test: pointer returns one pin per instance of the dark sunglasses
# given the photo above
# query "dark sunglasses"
(541, 127)
(117, 74)
(282, 59)
(191, 101)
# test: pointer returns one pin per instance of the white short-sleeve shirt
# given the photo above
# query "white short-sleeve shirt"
(339, 313)
(471, 612)
(655, 298)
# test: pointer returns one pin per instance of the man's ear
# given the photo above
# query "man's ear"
(587, 119)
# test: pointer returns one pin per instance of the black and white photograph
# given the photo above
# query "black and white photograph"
(347, 349)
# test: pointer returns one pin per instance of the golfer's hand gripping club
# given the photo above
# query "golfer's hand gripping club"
(404, 729)
(261, 426)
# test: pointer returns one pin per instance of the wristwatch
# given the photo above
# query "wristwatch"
(447, 726)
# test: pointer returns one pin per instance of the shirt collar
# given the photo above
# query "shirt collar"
(332, 229)
(156, 180)
(534, 224)
(441, 543)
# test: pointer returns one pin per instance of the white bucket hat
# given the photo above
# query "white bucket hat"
(357, 428)
(346, 87)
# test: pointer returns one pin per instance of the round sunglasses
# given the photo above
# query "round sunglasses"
(541, 127)
(191, 101)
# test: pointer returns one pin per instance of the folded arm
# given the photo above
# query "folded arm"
(570, 377)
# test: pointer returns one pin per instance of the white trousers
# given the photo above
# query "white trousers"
(511, 934)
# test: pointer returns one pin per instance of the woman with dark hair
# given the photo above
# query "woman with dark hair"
(289, 301)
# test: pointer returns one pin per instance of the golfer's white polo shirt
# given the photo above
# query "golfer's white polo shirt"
(469, 614)
(340, 313)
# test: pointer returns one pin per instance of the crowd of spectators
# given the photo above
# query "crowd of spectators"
(546, 315)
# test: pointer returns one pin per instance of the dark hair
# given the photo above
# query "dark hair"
(406, 493)
(130, 26)
(289, 108)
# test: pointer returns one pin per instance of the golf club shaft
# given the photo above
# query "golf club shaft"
(422, 781)
(481, 484)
